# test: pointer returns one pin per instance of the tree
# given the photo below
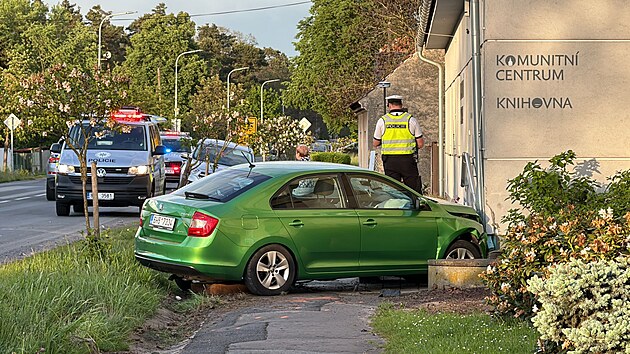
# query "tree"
(16, 16)
(346, 47)
(157, 41)
(64, 96)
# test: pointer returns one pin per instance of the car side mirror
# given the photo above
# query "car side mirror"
(160, 150)
(56, 148)
(421, 204)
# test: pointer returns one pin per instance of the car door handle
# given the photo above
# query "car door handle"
(296, 223)
(370, 222)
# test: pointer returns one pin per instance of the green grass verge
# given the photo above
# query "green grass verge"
(69, 301)
(416, 331)
(19, 175)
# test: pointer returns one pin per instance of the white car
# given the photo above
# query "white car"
(211, 151)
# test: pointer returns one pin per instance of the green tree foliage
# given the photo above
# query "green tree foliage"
(345, 48)
(158, 40)
(16, 16)
(61, 39)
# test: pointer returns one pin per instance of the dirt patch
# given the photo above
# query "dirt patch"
(461, 301)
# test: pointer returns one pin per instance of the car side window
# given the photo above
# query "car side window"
(310, 192)
(371, 192)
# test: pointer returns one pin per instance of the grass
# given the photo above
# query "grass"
(416, 331)
(68, 300)
(19, 175)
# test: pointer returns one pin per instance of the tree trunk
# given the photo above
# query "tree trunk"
(84, 187)
(97, 230)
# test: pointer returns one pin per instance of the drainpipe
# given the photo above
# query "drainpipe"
(440, 118)
(423, 19)
(477, 103)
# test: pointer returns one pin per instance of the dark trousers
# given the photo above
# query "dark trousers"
(403, 168)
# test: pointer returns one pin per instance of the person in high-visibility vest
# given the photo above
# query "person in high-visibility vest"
(399, 134)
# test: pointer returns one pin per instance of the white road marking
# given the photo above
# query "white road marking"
(4, 201)
(40, 195)
(22, 198)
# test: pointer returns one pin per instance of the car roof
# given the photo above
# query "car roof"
(223, 142)
(283, 168)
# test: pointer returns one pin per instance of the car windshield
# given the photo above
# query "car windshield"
(223, 185)
(228, 157)
(129, 137)
(174, 145)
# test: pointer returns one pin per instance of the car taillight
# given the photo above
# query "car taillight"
(53, 159)
(141, 222)
(202, 225)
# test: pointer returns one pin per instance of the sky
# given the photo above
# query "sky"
(275, 28)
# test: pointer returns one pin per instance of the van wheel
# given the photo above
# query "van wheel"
(50, 193)
(62, 209)
(78, 208)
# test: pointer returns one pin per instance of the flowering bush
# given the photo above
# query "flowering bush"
(585, 306)
(277, 137)
(558, 223)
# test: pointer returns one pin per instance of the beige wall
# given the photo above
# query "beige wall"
(574, 59)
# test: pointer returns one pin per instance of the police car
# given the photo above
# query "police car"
(130, 163)
(176, 143)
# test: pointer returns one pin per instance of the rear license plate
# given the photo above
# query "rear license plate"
(162, 222)
(102, 196)
(170, 171)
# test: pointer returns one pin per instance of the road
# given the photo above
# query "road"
(28, 222)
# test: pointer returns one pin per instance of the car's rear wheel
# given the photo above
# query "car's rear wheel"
(270, 271)
(50, 193)
(462, 250)
(62, 209)
(183, 284)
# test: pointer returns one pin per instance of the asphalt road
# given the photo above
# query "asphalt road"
(28, 222)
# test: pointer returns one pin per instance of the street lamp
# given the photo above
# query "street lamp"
(228, 84)
(261, 98)
(176, 60)
(384, 85)
(100, 29)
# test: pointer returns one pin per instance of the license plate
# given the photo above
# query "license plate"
(162, 222)
(102, 196)
(170, 171)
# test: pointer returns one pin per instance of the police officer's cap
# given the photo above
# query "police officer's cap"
(395, 99)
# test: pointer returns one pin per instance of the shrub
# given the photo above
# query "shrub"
(562, 218)
(585, 306)
(335, 157)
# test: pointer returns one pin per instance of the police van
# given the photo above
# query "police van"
(129, 161)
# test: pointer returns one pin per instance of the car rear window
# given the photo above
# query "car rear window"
(175, 145)
(224, 185)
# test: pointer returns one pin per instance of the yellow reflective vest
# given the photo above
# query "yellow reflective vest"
(397, 139)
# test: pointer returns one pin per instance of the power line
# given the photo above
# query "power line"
(252, 9)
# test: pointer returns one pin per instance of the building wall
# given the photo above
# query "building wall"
(554, 77)
(417, 82)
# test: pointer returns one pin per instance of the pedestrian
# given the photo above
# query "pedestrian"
(302, 153)
(399, 135)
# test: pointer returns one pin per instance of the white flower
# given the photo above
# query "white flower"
(535, 308)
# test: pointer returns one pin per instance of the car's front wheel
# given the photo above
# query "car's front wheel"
(270, 271)
(50, 193)
(462, 250)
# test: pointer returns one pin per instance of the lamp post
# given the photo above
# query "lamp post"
(384, 85)
(261, 104)
(228, 84)
(176, 60)
(100, 29)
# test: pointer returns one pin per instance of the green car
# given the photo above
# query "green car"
(274, 223)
